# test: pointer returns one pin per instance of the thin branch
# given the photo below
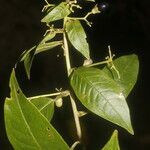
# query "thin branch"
(66, 51)
(45, 95)
(99, 63)
(74, 145)
(76, 117)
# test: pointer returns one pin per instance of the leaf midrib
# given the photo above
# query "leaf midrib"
(44, 106)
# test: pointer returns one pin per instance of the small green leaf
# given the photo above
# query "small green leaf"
(26, 127)
(45, 106)
(113, 143)
(59, 12)
(27, 57)
(77, 37)
(128, 67)
(47, 46)
(101, 95)
(48, 37)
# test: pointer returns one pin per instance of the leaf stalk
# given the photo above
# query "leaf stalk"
(63, 93)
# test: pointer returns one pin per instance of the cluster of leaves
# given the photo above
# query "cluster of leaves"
(101, 91)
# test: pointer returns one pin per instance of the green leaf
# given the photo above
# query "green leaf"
(101, 95)
(113, 143)
(26, 127)
(59, 12)
(77, 37)
(45, 106)
(48, 37)
(27, 57)
(128, 67)
(47, 46)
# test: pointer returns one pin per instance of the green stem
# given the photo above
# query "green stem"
(45, 95)
(99, 63)
(66, 52)
(82, 18)
(74, 145)
(68, 65)
(76, 117)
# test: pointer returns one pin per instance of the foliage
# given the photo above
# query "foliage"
(102, 91)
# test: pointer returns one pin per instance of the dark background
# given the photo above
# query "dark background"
(125, 26)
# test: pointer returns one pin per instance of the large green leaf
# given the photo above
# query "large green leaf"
(101, 95)
(59, 12)
(47, 46)
(113, 143)
(45, 106)
(26, 127)
(77, 37)
(27, 57)
(128, 67)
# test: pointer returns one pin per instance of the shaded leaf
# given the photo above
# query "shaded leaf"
(26, 127)
(27, 57)
(45, 106)
(47, 46)
(59, 12)
(113, 143)
(101, 95)
(128, 67)
(77, 37)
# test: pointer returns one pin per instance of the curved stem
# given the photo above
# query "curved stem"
(76, 117)
(74, 145)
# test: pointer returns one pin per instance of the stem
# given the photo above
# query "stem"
(76, 117)
(74, 145)
(66, 52)
(68, 65)
(45, 95)
(99, 63)
(83, 18)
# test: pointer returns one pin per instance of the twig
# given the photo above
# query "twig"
(76, 117)
(66, 51)
(45, 95)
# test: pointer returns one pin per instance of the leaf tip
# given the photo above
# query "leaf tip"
(131, 131)
(43, 20)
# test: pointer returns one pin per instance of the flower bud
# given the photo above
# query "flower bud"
(95, 10)
(59, 102)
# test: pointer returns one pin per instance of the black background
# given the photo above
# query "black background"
(125, 26)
